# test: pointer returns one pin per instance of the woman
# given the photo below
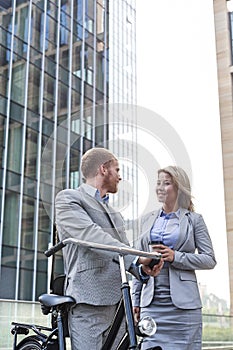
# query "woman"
(181, 236)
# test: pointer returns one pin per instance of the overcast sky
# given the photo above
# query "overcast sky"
(177, 79)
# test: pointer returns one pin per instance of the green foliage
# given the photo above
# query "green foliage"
(211, 333)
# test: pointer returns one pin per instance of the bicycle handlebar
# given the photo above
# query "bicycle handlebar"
(119, 250)
(54, 249)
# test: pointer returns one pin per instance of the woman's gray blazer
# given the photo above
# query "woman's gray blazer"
(193, 251)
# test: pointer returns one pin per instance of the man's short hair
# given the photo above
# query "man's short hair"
(93, 158)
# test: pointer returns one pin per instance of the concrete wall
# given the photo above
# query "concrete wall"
(24, 312)
(225, 70)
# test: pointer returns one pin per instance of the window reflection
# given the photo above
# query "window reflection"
(14, 147)
(53, 87)
(11, 222)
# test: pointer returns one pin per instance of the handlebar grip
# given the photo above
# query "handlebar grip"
(54, 249)
(154, 262)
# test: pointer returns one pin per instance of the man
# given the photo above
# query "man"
(93, 276)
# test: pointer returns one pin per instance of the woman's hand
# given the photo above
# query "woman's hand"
(167, 253)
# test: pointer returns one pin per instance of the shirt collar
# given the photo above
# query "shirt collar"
(170, 215)
(104, 199)
(94, 192)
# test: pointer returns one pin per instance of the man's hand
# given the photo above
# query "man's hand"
(146, 268)
(136, 314)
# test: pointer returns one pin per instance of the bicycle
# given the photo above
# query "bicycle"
(53, 338)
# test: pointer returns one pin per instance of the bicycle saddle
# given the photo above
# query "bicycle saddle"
(50, 300)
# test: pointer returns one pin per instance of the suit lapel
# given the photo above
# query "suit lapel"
(105, 210)
(108, 211)
(149, 222)
(183, 228)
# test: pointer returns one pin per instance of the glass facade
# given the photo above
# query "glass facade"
(122, 112)
(53, 64)
(62, 64)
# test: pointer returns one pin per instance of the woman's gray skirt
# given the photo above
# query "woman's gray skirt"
(177, 329)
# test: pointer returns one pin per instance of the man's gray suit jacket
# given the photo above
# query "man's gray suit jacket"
(93, 276)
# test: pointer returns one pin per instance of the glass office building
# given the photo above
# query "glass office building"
(62, 62)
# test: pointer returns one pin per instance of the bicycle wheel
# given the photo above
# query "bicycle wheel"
(29, 343)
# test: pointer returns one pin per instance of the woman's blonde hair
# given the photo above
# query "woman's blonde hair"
(182, 183)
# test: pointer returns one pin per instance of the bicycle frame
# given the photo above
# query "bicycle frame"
(54, 339)
(129, 340)
(124, 308)
(23, 328)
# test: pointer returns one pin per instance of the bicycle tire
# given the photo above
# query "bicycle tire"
(29, 343)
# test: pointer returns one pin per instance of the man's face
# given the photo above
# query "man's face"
(112, 177)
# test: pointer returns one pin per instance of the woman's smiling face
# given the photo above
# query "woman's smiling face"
(166, 190)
